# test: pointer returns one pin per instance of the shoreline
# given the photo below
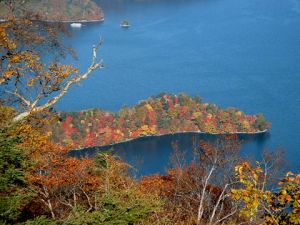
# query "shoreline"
(71, 21)
(63, 21)
(179, 132)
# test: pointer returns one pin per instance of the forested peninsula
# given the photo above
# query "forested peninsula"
(55, 10)
(158, 115)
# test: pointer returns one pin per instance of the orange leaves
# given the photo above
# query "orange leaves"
(17, 60)
(61, 72)
(7, 74)
(158, 184)
(63, 172)
(59, 178)
(290, 178)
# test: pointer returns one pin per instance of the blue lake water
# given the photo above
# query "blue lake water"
(237, 53)
(148, 155)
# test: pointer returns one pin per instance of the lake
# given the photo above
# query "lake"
(237, 53)
(149, 155)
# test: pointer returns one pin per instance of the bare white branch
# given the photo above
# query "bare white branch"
(33, 108)
(24, 100)
(201, 208)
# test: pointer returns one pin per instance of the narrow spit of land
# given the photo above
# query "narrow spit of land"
(159, 115)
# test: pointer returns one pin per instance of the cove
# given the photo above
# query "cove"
(148, 155)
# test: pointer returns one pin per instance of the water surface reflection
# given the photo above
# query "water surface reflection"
(150, 155)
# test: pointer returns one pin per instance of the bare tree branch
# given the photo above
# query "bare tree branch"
(225, 217)
(33, 108)
(200, 209)
(24, 100)
(217, 204)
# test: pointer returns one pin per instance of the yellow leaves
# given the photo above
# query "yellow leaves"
(239, 113)
(297, 178)
(239, 169)
(32, 61)
(57, 74)
(61, 71)
(33, 139)
(235, 194)
(209, 128)
(246, 125)
(250, 194)
(146, 130)
(118, 131)
(253, 195)
(255, 177)
(6, 114)
(149, 107)
(196, 115)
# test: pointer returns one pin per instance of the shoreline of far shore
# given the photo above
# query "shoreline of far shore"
(181, 132)
(63, 21)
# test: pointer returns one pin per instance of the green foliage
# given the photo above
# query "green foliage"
(101, 160)
(13, 164)
(261, 123)
(41, 220)
(113, 211)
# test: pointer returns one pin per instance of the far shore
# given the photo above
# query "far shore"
(64, 21)
(72, 21)
(179, 132)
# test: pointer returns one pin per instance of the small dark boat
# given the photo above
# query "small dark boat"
(125, 24)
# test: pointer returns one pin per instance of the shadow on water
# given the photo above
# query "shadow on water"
(149, 155)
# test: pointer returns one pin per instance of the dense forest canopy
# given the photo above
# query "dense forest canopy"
(158, 115)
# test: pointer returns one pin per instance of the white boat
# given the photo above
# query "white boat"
(76, 25)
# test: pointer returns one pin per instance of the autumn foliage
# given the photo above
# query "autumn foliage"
(197, 192)
(67, 187)
(262, 205)
(40, 183)
(163, 114)
(56, 10)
